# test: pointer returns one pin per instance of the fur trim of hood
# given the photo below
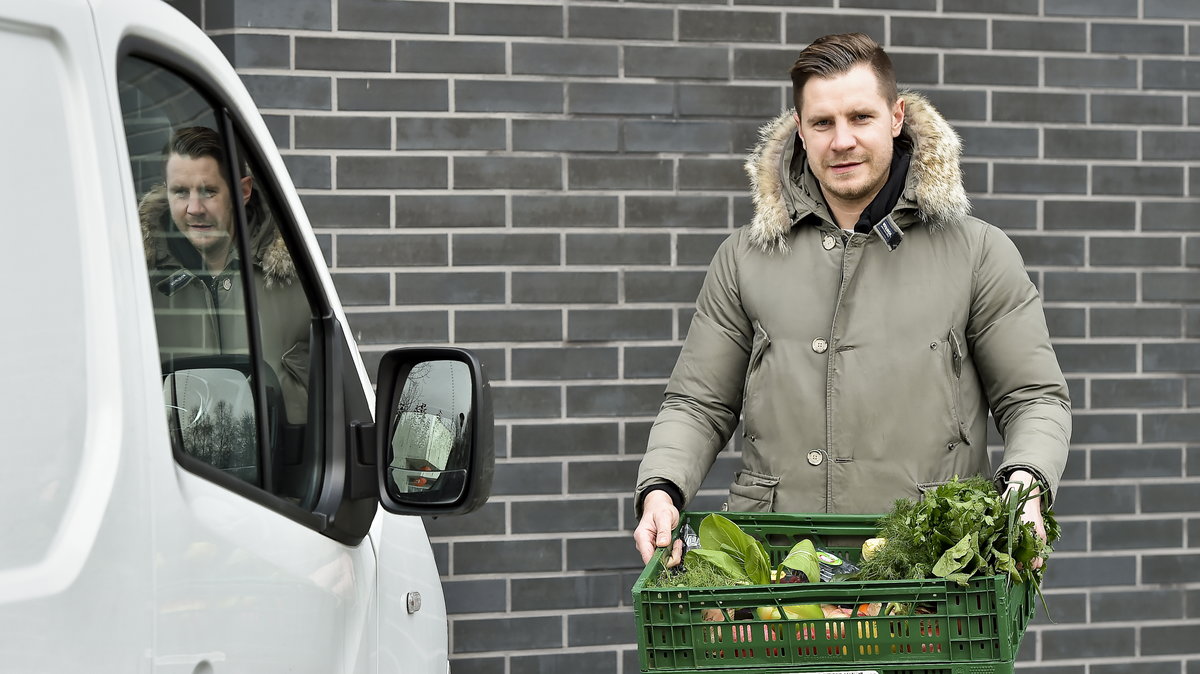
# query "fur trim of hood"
(270, 250)
(934, 175)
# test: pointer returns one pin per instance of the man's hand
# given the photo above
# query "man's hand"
(659, 517)
(1032, 511)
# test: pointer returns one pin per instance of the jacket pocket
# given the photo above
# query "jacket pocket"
(752, 492)
(757, 348)
(954, 367)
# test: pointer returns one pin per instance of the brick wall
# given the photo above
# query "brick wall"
(546, 182)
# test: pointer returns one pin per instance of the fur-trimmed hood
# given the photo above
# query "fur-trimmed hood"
(934, 183)
(270, 250)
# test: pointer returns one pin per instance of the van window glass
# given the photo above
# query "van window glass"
(237, 361)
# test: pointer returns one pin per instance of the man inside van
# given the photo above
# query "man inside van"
(189, 233)
(861, 326)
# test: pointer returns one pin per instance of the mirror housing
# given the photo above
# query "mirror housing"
(433, 432)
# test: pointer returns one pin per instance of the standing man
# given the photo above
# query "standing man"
(862, 325)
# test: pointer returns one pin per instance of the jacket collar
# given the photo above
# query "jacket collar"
(933, 190)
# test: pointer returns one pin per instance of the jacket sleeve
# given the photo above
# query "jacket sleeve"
(1017, 366)
(704, 396)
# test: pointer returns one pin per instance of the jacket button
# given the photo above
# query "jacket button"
(815, 457)
(820, 345)
(828, 242)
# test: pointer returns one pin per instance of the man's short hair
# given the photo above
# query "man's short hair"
(201, 141)
(833, 55)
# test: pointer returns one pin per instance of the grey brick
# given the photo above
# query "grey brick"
(1090, 571)
(676, 136)
(565, 59)
(1173, 569)
(1139, 605)
(619, 173)
(1039, 35)
(1091, 214)
(454, 287)
(1170, 145)
(1135, 322)
(712, 174)
(677, 62)
(1040, 178)
(1137, 535)
(1171, 75)
(474, 596)
(912, 68)
(526, 402)
(506, 249)
(582, 662)
(975, 176)
(908, 5)
(1038, 250)
(247, 50)
(677, 211)
(728, 26)
(487, 521)
(601, 325)
(594, 590)
(608, 98)
(991, 69)
(391, 250)
(1090, 144)
(1089, 429)
(595, 629)
(392, 95)
(1191, 256)
(763, 64)
(697, 249)
(400, 327)
(1008, 214)
(1172, 9)
(1141, 251)
(614, 400)
(323, 53)
(1097, 357)
(612, 476)
(1177, 357)
(279, 127)
(607, 553)
(712, 100)
(1084, 499)
(1138, 180)
(430, 56)
(394, 17)
(509, 325)
(624, 23)
(508, 20)
(311, 172)
(569, 439)
(557, 287)
(1074, 537)
(391, 172)
(466, 665)
(1168, 287)
(340, 210)
(564, 516)
(1066, 608)
(1117, 73)
(1116, 38)
(289, 91)
(564, 211)
(989, 6)
(637, 434)
(1137, 463)
(505, 634)
(569, 135)
(1095, 641)
(618, 249)
(304, 14)
(1171, 639)
(650, 362)
(804, 28)
(508, 173)
(507, 96)
(455, 210)
(997, 141)
(1136, 109)
(1092, 8)
(1169, 497)
(1039, 107)
(959, 105)
(1170, 427)
(662, 286)
(192, 9)
(360, 289)
(449, 133)
(938, 32)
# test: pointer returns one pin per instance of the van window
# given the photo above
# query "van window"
(234, 322)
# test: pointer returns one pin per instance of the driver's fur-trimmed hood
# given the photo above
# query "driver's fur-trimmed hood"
(934, 177)
(270, 251)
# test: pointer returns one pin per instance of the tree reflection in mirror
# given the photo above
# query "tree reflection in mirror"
(430, 433)
(211, 413)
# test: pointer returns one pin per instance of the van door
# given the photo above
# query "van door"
(250, 576)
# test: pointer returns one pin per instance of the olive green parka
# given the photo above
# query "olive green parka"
(861, 374)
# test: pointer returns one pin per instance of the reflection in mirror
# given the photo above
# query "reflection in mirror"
(430, 433)
(210, 412)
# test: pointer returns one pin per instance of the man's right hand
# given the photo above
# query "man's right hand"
(659, 517)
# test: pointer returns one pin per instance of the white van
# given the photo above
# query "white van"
(192, 464)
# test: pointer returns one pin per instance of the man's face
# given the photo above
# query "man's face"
(202, 204)
(847, 127)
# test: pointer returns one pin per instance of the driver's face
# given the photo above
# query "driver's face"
(201, 204)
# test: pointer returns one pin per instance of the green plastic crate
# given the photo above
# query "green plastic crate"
(974, 629)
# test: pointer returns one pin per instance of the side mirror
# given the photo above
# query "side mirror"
(433, 432)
